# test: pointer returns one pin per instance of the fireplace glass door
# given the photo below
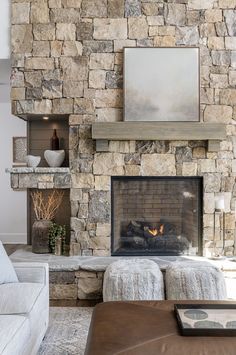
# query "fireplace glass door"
(156, 215)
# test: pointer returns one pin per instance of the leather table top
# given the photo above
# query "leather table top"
(148, 328)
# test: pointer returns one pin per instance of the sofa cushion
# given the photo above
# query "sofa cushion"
(7, 272)
(18, 298)
(14, 334)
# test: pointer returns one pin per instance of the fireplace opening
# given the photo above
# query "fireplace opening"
(156, 216)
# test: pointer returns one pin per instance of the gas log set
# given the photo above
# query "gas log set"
(161, 236)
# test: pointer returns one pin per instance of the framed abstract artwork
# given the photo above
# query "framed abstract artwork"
(161, 84)
(19, 150)
(206, 319)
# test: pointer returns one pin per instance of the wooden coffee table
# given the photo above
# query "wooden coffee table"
(148, 328)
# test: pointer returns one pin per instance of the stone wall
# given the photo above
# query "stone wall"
(67, 59)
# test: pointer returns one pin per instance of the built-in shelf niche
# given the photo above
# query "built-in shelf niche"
(40, 132)
(62, 215)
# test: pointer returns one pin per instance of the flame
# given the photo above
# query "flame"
(154, 231)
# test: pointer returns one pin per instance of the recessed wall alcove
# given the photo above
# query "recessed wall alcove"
(40, 131)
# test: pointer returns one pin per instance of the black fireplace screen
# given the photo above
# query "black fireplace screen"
(156, 215)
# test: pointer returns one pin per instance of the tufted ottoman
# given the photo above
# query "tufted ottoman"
(136, 279)
(194, 281)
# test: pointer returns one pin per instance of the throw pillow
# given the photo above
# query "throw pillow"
(7, 271)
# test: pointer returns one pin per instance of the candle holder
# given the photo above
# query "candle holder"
(219, 209)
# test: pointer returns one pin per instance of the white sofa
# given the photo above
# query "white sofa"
(24, 310)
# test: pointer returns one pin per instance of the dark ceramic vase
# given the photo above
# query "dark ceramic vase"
(40, 237)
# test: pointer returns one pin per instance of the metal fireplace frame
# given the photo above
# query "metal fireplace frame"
(135, 178)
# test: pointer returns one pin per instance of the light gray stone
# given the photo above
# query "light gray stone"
(44, 32)
(20, 13)
(183, 154)
(230, 19)
(212, 182)
(65, 31)
(89, 288)
(152, 9)
(65, 15)
(149, 147)
(62, 292)
(213, 15)
(220, 57)
(108, 164)
(41, 49)
(73, 88)
(218, 113)
(230, 43)
(110, 29)
(228, 97)
(78, 65)
(207, 165)
(52, 89)
(187, 36)
(21, 38)
(108, 114)
(209, 202)
(99, 207)
(200, 4)
(189, 169)
(115, 8)
(175, 14)
(132, 8)
(120, 44)
(158, 165)
(39, 11)
(137, 28)
(114, 80)
(97, 47)
(72, 48)
(84, 31)
(97, 79)
(63, 106)
(101, 61)
(91, 8)
(109, 98)
(39, 63)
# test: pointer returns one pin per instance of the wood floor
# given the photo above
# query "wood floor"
(11, 248)
(74, 303)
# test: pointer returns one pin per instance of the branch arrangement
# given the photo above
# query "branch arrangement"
(46, 207)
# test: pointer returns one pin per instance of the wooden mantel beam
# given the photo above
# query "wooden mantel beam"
(158, 131)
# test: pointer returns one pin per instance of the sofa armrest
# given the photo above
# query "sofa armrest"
(32, 272)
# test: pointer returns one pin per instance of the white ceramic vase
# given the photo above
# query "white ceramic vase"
(54, 158)
(32, 160)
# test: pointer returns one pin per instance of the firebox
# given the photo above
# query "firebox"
(156, 215)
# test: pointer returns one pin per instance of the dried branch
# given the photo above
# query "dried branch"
(46, 207)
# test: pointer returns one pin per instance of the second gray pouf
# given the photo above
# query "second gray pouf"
(194, 281)
(136, 279)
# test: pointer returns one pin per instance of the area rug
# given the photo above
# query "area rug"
(67, 331)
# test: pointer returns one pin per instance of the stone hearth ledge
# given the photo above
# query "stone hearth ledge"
(27, 170)
(81, 277)
(40, 178)
(99, 263)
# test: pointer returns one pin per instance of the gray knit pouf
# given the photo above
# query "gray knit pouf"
(136, 279)
(194, 281)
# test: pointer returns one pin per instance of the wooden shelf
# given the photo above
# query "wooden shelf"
(158, 131)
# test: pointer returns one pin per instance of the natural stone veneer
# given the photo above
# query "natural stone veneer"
(67, 59)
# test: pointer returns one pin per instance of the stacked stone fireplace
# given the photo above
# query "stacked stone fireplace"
(156, 216)
(67, 61)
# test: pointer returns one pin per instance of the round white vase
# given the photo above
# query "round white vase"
(54, 158)
(32, 160)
